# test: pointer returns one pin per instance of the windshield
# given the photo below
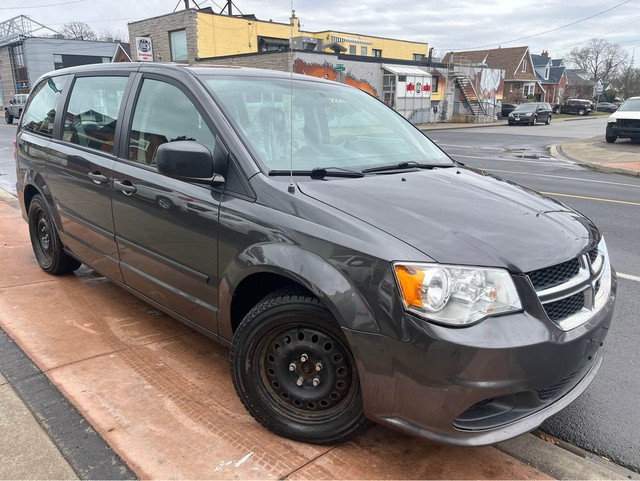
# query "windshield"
(631, 104)
(333, 125)
(526, 107)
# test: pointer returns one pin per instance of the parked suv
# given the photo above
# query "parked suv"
(531, 113)
(625, 122)
(577, 106)
(15, 107)
(355, 270)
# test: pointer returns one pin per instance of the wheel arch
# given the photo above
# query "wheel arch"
(262, 269)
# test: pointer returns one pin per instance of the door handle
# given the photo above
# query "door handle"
(98, 177)
(124, 186)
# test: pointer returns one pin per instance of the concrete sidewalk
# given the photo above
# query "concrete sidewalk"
(622, 157)
(161, 396)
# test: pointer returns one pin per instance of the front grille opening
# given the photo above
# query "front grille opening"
(564, 308)
(593, 255)
(555, 389)
(554, 275)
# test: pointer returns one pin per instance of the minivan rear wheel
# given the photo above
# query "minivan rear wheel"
(8, 118)
(294, 372)
(45, 241)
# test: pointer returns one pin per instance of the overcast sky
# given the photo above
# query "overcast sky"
(445, 25)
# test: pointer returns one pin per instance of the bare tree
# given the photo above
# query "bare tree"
(627, 82)
(115, 35)
(80, 30)
(599, 58)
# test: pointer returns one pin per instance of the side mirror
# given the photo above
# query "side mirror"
(187, 160)
(11, 101)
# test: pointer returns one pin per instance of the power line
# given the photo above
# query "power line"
(548, 31)
(41, 6)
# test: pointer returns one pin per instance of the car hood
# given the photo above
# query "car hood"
(625, 114)
(457, 216)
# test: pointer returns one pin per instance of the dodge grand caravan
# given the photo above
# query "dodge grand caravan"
(356, 272)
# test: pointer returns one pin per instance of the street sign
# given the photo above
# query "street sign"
(339, 68)
(144, 49)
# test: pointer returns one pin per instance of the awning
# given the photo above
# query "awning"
(275, 41)
(335, 38)
(406, 70)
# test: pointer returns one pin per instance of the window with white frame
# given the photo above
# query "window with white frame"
(352, 50)
(524, 66)
(363, 50)
(178, 43)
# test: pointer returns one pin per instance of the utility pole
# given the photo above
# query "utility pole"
(186, 4)
(229, 7)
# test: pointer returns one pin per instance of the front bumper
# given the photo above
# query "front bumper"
(480, 384)
(623, 131)
(520, 120)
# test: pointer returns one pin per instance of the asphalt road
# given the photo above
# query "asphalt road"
(606, 418)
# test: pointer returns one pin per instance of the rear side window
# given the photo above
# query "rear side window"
(162, 114)
(92, 113)
(41, 111)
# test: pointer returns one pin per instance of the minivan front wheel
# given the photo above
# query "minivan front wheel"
(45, 241)
(8, 118)
(294, 371)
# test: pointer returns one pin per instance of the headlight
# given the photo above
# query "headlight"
(456, 295)
(510, 114)
(528, 114)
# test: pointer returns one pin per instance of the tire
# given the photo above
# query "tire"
(511, 123)
(268, 361)
(534, 120)
(582, 112)
(8, 118)
(610, 138)
(45, 241)
(548, 121)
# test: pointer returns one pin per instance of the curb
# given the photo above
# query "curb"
(562, 460)
(557, 151)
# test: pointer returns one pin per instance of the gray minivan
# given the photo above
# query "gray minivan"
(356, 271)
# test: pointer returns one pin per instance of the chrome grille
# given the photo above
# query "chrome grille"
(564, 307)
(554, 275)
(571, 291)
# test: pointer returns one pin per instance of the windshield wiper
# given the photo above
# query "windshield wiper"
(320, 173)
(412, 164)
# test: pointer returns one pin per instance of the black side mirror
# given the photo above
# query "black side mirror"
(11, 102)
(187, 160)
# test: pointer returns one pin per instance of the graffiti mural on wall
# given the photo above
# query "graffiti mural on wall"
(325, 70)
(489, 84)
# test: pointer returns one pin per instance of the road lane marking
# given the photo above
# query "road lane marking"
(539, 162)
(629, 277)
(468, 146)
(568, 178)
(626, 202)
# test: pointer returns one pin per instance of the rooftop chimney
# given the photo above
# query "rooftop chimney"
(544, 54)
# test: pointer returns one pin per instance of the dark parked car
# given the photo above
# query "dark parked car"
(531, 113)
(577, 106)
(507, 109)
(606, 107)
(354, 269)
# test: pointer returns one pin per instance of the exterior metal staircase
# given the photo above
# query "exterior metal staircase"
(470, 95)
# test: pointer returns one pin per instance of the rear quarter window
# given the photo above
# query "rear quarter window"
(40, 112)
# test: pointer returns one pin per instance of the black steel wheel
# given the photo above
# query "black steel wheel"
(8, 118)
(611, 138)
(294, 371)
(45, 240)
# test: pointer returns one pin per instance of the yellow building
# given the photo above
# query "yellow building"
(190, 35)
(220, 35)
